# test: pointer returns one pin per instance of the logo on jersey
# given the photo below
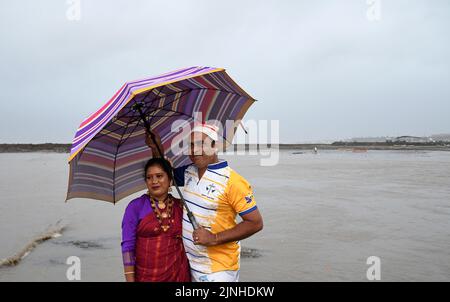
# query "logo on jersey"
(249, 198)
(188, 180)
(210, 189)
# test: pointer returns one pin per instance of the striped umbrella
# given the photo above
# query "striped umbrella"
(108, 152)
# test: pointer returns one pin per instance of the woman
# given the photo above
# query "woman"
(152, 246)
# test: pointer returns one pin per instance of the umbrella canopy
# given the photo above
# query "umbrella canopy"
(109, 152)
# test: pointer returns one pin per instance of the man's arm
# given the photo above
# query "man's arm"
(251, 224)
(154, 143)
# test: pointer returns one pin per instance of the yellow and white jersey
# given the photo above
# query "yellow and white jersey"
(215, 200)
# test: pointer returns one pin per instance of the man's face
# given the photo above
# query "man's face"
(201, 151)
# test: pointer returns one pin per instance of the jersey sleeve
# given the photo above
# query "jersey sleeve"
(240, 195)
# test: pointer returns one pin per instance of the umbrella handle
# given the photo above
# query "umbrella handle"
(189, 214)
(138, 107)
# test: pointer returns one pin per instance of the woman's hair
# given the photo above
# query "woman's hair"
(162, 163)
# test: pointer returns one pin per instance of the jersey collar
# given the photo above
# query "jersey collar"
(218, 165)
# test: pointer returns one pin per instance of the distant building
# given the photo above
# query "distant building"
(368, 139)
(413, 139)
(441, 137)
(389, 139)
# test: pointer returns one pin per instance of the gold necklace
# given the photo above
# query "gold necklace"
(166, 215)
(162, 204)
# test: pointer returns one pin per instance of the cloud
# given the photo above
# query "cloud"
(321, 68)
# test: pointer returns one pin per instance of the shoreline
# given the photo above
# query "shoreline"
(23, 148)
(362, 147)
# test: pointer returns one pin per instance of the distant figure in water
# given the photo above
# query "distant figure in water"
(315, 150)
(152, 246)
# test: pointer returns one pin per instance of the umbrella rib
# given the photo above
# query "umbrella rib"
(122, 141)
(175, 99)
(124, 115)
(156, 109)
(163, 108)
(194, 89)
(115, 160)
(187, 91)
(184, 93)
(174, 111)
(112, 131)
(131, 109)
(137, 124)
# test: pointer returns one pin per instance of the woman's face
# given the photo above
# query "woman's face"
(157, 180)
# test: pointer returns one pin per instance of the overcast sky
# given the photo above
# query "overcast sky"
(322, 68)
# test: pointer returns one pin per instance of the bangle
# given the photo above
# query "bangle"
(127, 273)
(217, 238)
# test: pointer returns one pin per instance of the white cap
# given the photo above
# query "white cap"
(210, 130)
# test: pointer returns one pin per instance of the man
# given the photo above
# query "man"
(215, 194)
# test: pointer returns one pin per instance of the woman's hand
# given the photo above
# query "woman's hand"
(129, 273)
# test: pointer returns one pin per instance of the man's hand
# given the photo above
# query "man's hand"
(151, 143)
(251, 223)
(203, 237)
